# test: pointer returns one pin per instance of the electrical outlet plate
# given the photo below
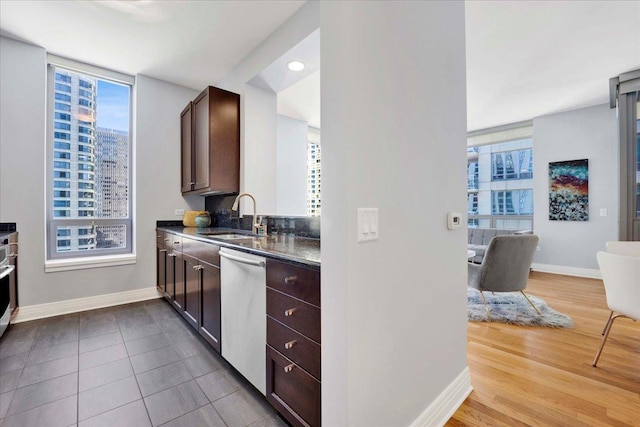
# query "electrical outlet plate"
(178, 212)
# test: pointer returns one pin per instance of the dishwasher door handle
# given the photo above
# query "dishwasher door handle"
(242, 260)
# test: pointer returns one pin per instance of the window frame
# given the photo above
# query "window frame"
(511, 133)
(59, 261)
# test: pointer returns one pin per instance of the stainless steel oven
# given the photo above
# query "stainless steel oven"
(5, 294)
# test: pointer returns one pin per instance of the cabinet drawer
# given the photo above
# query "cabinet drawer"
(173, 241)
(160, 236)
(295, 346)
(206, 252)
(298, 315)
(292, 391)
(299, 282)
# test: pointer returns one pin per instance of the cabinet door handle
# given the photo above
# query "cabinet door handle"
(290, 344)
(289, 312)
(166, 240)
(289, 368)
(162, 250)
(290, 279)
(176, 243)
(171, 255)
(198, 267)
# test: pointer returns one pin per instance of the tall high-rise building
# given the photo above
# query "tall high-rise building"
(90, 168)
(74, 157)
(112, 183)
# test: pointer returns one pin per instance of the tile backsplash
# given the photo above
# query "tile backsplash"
(222, 216)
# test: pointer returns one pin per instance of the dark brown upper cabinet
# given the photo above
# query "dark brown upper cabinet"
(210, 139)
(186, 143)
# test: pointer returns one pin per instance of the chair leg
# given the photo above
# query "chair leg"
(608, 321)
(534, 307)
(484, 301)
(604, 338)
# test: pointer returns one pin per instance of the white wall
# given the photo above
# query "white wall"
(393, 137)
(291, 167)
(258, 149)
(258, 109)
(22, 172)
(22, 148)
(589, 133)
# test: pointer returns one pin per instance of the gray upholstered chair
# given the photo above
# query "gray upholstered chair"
(505, 266)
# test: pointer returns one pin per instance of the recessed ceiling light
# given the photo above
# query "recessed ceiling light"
(295, 65)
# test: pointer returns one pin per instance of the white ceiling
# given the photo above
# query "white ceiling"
(524, 58)
(530, 58)
(190, 43)
(302, 100)
(277, 77)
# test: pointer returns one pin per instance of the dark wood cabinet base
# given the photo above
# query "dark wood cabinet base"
(292, 391)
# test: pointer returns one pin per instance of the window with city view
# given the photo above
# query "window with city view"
(313, 179)
(89, 208)
(500, 185)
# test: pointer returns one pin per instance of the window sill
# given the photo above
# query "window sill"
(53, 266)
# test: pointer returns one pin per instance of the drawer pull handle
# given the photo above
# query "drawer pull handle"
(197, 267)
(176, 243)
(290, 279)
(289, 368)
(290, 344)
(166, 240)
(289, 313)
(162, 250)
(171, 255)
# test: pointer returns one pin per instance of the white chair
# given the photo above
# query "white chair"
(620, 269)
(624, 248)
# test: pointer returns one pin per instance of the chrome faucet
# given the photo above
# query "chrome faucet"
(258, 228)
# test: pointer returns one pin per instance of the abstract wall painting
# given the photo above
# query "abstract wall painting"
(569, 190)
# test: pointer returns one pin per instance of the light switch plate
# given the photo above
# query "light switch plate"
(367, 224)
(603, 212)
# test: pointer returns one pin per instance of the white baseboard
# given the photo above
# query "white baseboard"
(40, 311)
(447, 403)
(567, 271)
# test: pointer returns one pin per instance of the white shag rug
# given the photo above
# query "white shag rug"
(512, 307)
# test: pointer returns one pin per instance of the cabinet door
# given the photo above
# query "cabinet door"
(192, 290)
(178, 281)
(294, 393)
(186, 144)
(210, 319)
(13, 277)
(161, 269)
(201, 141)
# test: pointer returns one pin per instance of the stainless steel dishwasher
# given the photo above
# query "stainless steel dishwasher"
(243, 314)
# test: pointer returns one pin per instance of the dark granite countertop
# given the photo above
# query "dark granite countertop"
(300, 250)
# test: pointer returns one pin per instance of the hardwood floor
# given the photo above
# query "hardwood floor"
(530, 376)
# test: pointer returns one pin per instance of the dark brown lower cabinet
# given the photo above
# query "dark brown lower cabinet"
(13, 277)
(210, 319)
(161, 270)
(177, 277)
(292, 391)
(192, 269)
(188, 274)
